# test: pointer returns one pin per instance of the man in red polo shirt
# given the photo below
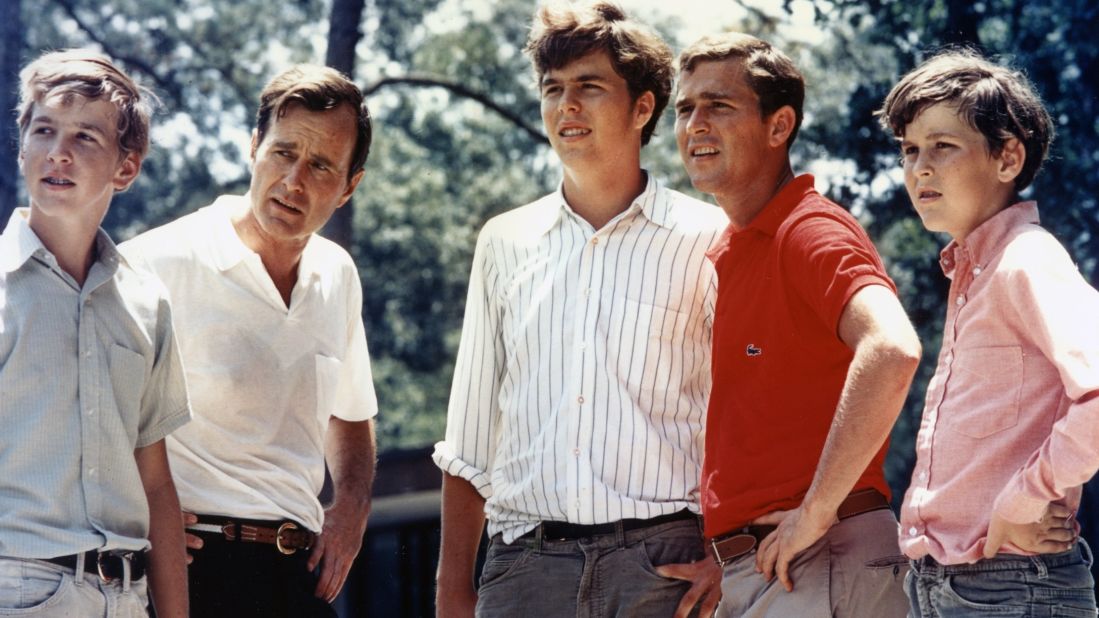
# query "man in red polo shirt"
(813, 355)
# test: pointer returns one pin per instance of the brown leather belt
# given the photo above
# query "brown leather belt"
(734, 544)
(287, 536)
(108, 565)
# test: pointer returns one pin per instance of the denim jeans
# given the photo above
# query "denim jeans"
(605, 575)
(1008, 585)
(30, 588)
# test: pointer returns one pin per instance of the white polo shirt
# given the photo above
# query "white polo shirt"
(264, 378)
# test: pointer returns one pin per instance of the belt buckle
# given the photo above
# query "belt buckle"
(99, 562)
(278, 538)
(740, 537)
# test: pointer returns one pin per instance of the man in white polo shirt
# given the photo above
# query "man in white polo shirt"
(270, 327)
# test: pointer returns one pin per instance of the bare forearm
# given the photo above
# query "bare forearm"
(350, 454)
(463, 518)
(167, 558)
(886, 355)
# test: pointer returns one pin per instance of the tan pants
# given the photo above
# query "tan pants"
(856, 570)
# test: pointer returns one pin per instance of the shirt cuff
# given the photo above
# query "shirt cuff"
(448, 461)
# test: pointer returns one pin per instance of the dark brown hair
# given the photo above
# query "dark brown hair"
(564, 32)
(88, 74)
(996, 101)
(769, 72)
(318, 89)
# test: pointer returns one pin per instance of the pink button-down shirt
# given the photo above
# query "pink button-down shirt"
(1011, 421)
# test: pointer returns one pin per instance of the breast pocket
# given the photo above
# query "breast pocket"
(328, 380)
(127, 370)
(658, 343)
(981, 375)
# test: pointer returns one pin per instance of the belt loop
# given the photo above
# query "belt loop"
(619, 533)
(125, 573)
(78, 576)
(1085, 551)
(538, 536)
(1040, 567)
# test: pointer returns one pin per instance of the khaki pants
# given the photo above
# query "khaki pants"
(856, 570)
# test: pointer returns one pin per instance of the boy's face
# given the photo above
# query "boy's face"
(954, 181)
(723, 139)
(70, 159)
(589, 114)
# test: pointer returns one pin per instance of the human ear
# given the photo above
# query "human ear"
(1011, 158)
(127, 171)
(781, 126)
(643, 108)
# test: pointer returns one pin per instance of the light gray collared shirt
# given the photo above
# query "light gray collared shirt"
(86, 376)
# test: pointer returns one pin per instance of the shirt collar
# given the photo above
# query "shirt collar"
(990, 237)
(19, 243)
(228, 249)
(653, 202)
(779, 207)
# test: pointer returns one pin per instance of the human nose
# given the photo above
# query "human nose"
(569, 100)
(922, 164)
(294, 180)
(59, 151)
(695, 122)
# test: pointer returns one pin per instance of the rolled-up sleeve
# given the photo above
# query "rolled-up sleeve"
(474, 412)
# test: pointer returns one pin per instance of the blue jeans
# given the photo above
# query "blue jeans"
(1008, 585)
(605, 575)
(34, 589)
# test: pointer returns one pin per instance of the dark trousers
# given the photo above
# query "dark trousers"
(232, 579)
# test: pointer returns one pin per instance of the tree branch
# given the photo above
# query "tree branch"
(461, 90)
(162, 82)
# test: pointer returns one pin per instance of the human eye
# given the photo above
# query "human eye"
(42, 130)
(320, 167)
(684, 109)
(943, 145)
(549, 89)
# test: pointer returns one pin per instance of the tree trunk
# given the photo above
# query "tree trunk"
(343, 36)
(10, 49)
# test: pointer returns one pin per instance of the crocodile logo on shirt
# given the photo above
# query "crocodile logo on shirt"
(753, 350)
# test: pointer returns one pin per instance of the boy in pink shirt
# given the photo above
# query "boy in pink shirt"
(1011, 423)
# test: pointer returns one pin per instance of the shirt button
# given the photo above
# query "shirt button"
(583, 345)
(595, 240)
(91, 411)
(587, 291)
(912, 531)
(960, 301)
(576, 452)
(976, 271)
(923, 476)
(91, 471)
(580, 399)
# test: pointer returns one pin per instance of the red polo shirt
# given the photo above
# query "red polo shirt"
(778, 363)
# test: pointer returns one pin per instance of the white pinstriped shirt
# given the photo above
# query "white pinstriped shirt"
(584, 367)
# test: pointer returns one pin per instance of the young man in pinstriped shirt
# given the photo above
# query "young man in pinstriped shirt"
(576, 415)
(809, 375)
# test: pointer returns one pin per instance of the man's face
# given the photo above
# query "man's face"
(70, 159)
(299, 175)
(722, 138)
(588, 112)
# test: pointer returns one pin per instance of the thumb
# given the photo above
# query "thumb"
(317, 553)
(994, 540)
